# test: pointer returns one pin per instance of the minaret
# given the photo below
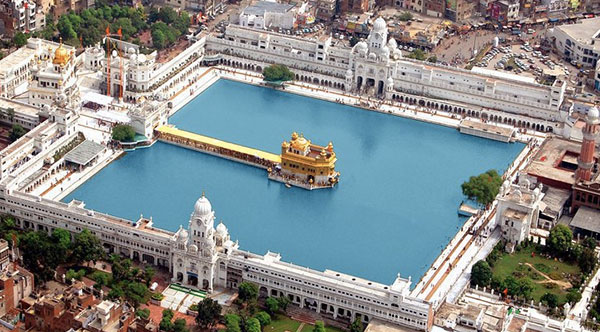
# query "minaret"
(586, 156)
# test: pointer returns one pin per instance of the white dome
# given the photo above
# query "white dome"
(390, 81)
(141, 58)
(361, 46)
(202, 206)
(593, 113)
(349, 73)
(379, 24)
(183, 236)
(222, 229)
(392, 44)
(194, 248)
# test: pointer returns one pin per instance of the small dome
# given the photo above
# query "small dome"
(349, 73)
(392, 44)
(194, 248)
(131, 50)
(141, 58)
(183, 235)
(390, 81)
(222, 229)
(361, 46)
(61, 56)
(379, 24)
(593, 113)
(299, 142)
(386, 51)
(202, 206)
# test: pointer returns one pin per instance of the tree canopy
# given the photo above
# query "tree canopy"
(319, 326)
(209, 312)
(252, 325)
(277, 73)
(123, 133)
(481, 274)
(560, 239)
(20, 39)
(86, 247)
(247, 291)
(550, 299)
(16, 132)
(483, 188)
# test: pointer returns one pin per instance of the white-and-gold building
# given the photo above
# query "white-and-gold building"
(304, 161)
(53, 78)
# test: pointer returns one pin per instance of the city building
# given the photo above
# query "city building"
(460, 10)
(326, 10)
(268, 15)
(353, 6)
(20, 15)
(578, 42)
(504, 12)
(436, 8)
(16, 283)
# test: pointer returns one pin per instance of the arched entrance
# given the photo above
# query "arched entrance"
(193, 280)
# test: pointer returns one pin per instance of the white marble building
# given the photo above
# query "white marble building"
(205, 257)
(518, 211)
(376, 67)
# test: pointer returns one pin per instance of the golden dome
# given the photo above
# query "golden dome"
(300, 143)
(330, 147)
(61, 56)
(294, 135)
(285, 145)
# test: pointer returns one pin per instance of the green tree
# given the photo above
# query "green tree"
(180, 325)
(247, 292)
(65, 28)
(159, 40)
(165, 323)
(16, 132)
(20, 39)
(417, 54)
(283, 302)
(272, 305)
(549, 299)
(587, 260)
(573, 296)
(525, 288)
(252, 325)
(148, 274)
(483, 188)
(277, 73)
(209, 312)
(560, 239)
(319, 326)
(123, 133)
(590, 242)
(136, 293)
(232, 323)
(432, 59)
(405, 16)
(512, 285)
(168, 15)
(481, 274)
(182, 23)
(357, 325)
(86, 247)
(38, 260)
(263, 318)
(143, 313)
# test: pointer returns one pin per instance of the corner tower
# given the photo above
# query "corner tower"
(586, 156)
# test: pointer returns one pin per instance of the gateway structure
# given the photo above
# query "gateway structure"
(376, 67)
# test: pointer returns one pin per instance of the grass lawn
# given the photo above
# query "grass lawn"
(281, 323)
(522, 265)
(309, 328)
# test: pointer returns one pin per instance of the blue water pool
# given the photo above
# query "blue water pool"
(394, 210)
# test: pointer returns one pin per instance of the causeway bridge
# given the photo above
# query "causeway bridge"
(219, 148)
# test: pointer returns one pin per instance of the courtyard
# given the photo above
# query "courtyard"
(548, 275)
